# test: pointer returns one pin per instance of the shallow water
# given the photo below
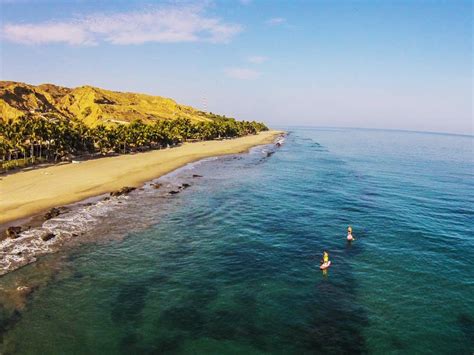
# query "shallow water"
(230, 264)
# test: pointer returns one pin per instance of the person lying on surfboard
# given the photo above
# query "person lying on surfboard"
(350, 237)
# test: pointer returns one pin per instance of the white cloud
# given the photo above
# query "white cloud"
(48, 33)
(170, 24)
(276, 21)
(257, 59)
(242, 73)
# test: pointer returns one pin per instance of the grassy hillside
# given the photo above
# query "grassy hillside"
(91, 105)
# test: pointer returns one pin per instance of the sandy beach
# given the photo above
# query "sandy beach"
(27, 193)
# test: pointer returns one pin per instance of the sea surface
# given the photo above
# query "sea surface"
(230, 265)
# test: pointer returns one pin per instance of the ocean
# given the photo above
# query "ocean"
(230, 265)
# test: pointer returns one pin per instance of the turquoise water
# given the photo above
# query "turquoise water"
(230, 265)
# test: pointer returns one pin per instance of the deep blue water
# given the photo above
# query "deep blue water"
(230, 265)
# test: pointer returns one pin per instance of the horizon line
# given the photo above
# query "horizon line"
(381, 129)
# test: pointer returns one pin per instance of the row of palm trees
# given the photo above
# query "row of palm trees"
(32, 139)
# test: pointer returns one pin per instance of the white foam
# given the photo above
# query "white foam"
(29, 244)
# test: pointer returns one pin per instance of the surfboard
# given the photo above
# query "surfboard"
(325, 266)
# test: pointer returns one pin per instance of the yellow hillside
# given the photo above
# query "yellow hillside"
(89, 104)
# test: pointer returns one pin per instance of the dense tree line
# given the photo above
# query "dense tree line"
(33, 139)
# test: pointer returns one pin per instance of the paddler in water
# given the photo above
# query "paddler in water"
(325, 258)
(350, 237)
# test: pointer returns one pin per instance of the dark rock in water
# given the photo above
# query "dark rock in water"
(123, 191)
(106, 198)
(13, 232)
(25, 290)
(54, 212)
(185, 186)
(173, 192)
(156, 186)
(116, 193)
(196, 176)
(269, 154)
(128, 189)
(47, 236)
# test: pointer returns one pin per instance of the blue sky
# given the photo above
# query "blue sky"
(376, 64)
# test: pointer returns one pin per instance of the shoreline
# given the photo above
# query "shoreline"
(28, 193)
(39, 234)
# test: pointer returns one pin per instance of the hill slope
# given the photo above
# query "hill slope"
(89, 104)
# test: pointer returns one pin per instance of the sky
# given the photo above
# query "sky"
(368, 64)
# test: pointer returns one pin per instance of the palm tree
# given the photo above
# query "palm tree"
(69, 137)
(100, 138)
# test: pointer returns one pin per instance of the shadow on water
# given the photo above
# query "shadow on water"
(127, 309)
(185, 319)
(8, 319)
(129, 302)
(466, 324)
(335, 321)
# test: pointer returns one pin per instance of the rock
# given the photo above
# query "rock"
(106, 198)
(123, 191)
(185, 186)
(54, 212)
(24, 290)
(173, 192)
(20, 299)
(156, 186)
(128, 189)
(47, 236)
(13, 232)
(196, 176)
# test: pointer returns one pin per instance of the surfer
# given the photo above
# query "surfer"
(350, 237)
(325, 263)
